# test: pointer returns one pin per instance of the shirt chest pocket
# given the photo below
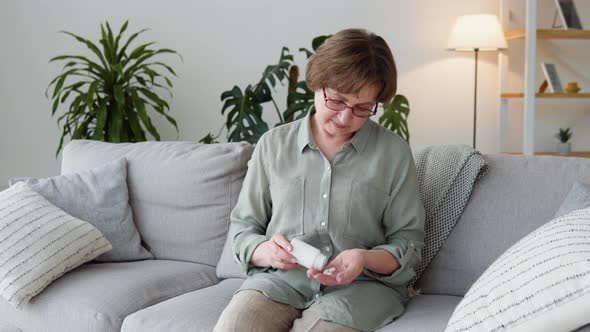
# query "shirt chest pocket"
(366, 206)
(288, 201)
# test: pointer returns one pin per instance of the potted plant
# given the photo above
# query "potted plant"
(564, 147)
(109, 96)
(244, 107)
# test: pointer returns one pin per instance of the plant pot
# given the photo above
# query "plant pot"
(564, 149)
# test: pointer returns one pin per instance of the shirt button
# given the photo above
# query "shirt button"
(328, 168)
(325, 195)
(327, 249)
(323, 223)
(317, 296)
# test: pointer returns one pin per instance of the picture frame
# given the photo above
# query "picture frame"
(569, 14)
(552, 78)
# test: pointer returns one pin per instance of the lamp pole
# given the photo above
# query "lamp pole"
(475, 99)
(478, 32)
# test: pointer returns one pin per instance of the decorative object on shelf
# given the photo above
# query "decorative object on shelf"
(552, 78)
(572, 87)
(543, 86)
(564, 147)
(113, 94)
(480, 32)
(244, 107)
(569, 14)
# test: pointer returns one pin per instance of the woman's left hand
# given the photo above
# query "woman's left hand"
(349, 264)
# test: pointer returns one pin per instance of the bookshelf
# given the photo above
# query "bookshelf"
(530, 95)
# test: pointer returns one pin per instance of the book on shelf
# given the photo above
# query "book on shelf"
(550, 72)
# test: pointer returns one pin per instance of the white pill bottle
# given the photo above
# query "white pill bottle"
(308, 256)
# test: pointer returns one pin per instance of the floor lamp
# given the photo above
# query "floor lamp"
(475, 33)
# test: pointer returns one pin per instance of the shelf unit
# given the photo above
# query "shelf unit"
(579, 154)
(546, 95)
(530, 34)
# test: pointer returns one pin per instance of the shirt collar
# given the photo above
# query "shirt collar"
(361, 137)
(304, 137)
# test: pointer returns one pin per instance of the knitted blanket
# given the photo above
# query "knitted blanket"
(446, 174)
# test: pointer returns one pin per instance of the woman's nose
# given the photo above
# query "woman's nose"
(345, 116)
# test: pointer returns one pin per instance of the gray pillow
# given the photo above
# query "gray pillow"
(98, 196)
(577, 198)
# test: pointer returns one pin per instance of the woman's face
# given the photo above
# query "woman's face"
(343, 123)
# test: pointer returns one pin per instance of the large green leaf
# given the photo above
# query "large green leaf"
(162, 111)
(154, 97)
(275, 73)
(107, 46)
(244, 117)
(97, 69)
(143, 116)
(137, 133)
(315, 44)
(208, 139)
(299, 101)
(395, 116)
(122, 52)
(91, 46)
(101, 121)
(82, 129)
(119, 36)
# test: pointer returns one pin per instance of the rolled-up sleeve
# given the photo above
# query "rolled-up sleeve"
(403, 222)
(251, 214)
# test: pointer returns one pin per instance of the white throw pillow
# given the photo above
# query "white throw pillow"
(542, 283)
(40, 242)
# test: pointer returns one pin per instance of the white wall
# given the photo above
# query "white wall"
(230, 42)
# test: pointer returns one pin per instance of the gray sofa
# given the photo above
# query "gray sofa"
(182, 193)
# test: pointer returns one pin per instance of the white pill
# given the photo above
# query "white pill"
(329, 271)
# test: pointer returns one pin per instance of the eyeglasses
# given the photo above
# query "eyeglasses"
(339, 106)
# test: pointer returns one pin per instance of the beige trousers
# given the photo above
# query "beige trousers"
(250, 310)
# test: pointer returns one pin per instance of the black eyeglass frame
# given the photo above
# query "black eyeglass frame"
(364, 115)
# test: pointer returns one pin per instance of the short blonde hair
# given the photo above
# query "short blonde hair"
(350, 60)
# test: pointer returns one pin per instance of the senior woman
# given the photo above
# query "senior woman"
(340, 182)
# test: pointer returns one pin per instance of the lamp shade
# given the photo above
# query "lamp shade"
(481, 31)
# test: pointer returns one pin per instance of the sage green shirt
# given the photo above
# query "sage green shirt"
(365, 197)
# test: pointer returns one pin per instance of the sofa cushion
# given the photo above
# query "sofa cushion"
(194, 311)
(181, 193)
(541, 283)
(97, 297)
(100, 197)
(518, 195)
(425, 313)
(577, 198)
(39, 242)
(5, 327)
(229, 266)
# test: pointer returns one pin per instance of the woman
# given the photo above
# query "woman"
(341, 183)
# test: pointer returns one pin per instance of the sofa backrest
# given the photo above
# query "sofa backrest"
(515, 197)
(181, 193)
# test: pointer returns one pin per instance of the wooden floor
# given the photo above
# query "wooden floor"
(579, 154)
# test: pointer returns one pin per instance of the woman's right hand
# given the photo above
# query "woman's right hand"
(274, 253)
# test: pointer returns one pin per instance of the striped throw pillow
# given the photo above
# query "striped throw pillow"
(542, 283)
(40, 242)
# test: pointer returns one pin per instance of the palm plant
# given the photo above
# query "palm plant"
(109, 97)
(244, 108)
